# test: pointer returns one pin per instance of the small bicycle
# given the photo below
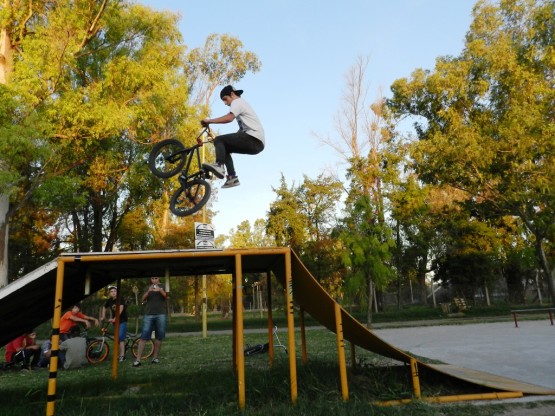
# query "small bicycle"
(98, 349)
(169, 157)
(263, 348)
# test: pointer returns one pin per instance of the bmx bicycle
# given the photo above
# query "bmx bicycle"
(98, 349)
(169, 157)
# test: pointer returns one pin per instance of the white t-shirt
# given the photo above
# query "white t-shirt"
(247, 119)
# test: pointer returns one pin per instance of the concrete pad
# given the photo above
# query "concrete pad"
(526, 353)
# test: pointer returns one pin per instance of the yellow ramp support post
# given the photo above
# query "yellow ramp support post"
(54, 358)
(239, 353)
(415, 378)
(270, 319)
(458, 398)
(117, 352)
(341, 353)
(290, 328)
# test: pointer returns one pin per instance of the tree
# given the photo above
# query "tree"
(286, 224)
(413, 211)
(485, 120)
(367, 254)
(365, 142)
(220, 62)
(90, 83)
(303, 217)
(247, 237)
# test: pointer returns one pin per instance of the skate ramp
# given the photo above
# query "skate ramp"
(314, 299)
(29, 301)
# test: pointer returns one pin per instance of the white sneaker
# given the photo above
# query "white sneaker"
(231, 182)
(216, 169)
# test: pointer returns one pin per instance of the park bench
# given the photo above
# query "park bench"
(548, 310)
(461, 305)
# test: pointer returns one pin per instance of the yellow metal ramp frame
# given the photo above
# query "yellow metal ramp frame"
(73, 277)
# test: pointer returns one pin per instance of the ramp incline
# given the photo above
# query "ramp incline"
(314, 299)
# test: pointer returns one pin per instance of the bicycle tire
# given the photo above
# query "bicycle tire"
(97, 351)
(148, 350)
(190, 198)
(159, 162)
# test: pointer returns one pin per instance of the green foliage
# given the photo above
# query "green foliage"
(484, 120)
(367, 248)
(220, 62)
(250, 237)
(303, 217)
(285, 222)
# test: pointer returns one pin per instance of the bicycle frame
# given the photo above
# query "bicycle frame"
(98, 348)
(190, 154)
(169, 157)
(193, 152)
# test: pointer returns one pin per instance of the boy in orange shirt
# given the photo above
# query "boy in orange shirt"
(73, 318)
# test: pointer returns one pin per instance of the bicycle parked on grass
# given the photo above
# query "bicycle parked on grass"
(98, 349)
(169, 157)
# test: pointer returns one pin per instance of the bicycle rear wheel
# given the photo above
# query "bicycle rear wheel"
(190, 198)
(147, 352)
(97, 351)
(167, 158)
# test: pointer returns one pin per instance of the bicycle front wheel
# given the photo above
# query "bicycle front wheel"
(148, 350)
(167, 158)
(97, 351)
(190, 198)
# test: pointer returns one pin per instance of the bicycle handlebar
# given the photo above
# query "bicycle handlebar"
(208, 133)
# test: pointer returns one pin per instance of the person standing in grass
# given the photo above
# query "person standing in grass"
(110, 305)
(155, 319)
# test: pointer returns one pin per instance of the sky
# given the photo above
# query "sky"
(306, 48)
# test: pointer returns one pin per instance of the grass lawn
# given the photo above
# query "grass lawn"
(195, 377)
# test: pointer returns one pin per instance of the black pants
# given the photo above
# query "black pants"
(240, 143)
(26, 357)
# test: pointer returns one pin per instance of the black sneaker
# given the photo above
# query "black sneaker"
(136, 363)
(155, 361)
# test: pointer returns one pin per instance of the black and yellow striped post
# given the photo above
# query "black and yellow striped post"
(54, 358)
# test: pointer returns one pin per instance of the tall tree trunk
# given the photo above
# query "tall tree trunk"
(4, 208)
(6, 56)
(370, 301)
(545, 266)
(6, 68)
(423, 289)
(97, 228)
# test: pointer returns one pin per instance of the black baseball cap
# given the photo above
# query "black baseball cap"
(227, 90)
